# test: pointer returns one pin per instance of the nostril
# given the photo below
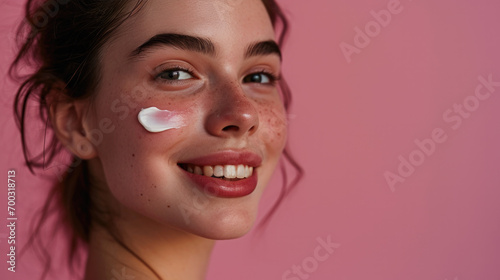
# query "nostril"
(231, 128)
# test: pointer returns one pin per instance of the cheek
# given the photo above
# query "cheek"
(136, 121)
(273, 125)
(134, 154)
(136, 166)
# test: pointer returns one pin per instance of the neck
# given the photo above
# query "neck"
(161, 254)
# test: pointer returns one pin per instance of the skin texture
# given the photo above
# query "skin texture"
(160, 214)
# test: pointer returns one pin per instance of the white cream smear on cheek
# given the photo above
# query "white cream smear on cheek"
(156, 120)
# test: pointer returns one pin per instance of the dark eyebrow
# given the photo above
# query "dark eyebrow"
(184, 42)
(202, 45)
(263, 48)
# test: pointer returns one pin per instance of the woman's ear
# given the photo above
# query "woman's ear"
(68, 119)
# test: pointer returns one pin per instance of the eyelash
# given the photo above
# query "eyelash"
(173, 69)
(272, 77)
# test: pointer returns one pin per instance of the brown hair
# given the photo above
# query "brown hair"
(61, 41)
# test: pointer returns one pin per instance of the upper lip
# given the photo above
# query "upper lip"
(228, 157)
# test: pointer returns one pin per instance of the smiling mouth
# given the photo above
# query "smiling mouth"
(225, 172)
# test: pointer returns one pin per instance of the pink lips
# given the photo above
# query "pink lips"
(222, 187)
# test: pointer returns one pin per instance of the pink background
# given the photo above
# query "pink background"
(350, 123)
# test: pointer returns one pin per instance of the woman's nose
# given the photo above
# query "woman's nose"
(233, 114)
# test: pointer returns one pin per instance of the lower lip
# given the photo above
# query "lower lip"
(223, 188)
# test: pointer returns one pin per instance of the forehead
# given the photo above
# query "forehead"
(227, 23)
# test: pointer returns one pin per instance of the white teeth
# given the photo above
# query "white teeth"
(208, 171)
(227, 171)
(197, 170)
(248, 171)
(240, 171)
(230, 171)
(219, 171)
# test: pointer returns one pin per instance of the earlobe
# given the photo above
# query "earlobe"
(67, 118)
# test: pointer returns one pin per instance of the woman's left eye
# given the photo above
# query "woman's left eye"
(175, 75)
(261, 78)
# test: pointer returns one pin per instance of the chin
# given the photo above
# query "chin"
(226, 226)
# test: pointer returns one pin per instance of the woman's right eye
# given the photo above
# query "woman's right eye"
(175, 75)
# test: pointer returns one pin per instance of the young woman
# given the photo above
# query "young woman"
(174, 113)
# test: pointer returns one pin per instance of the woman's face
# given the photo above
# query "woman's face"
(211, 65)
